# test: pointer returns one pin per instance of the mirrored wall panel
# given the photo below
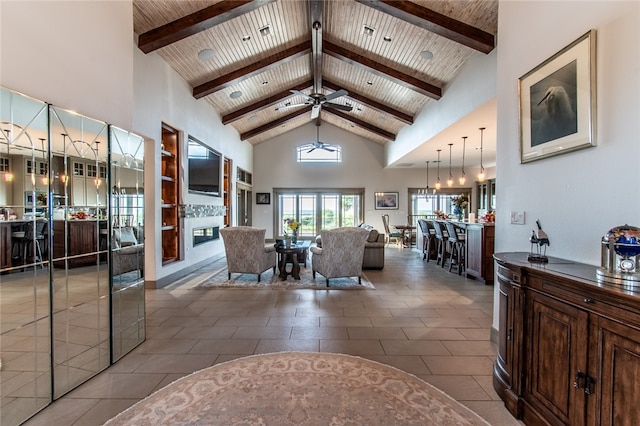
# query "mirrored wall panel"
(80, 273)
(25, 382)
(127, 240)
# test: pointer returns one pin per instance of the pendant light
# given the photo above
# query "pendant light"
(450, 180)
(481, 174)
(463, 178)
(425, 191)
(438, 184)
(8, 175)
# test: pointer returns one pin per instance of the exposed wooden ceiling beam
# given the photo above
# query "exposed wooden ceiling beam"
(435, 22)
(361, 123)
(196, 22)
(264, 103)
(405, 118)
(384, 71)
(251, 70)
(315, 8)
(273, 124)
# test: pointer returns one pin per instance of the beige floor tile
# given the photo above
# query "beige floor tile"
(262, 333)
(471, 347)
(352, 347)
(242, 321)
(459, 365)
(410, 363)
(414, 347)
(217, 332)
(476, 333)
(493, 412)
(176, 364)
(294, 321)
(296, 345)
(372, 333)
(103, 411)
(319, 333)
(346, 322)
(118, 385)
(433, 333)
(63, 412)
(224, 346)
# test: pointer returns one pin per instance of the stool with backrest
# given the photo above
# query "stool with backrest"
(429, 242)
(457, 241)
(442, 242)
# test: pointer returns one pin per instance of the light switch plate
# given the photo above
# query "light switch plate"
(517, 218)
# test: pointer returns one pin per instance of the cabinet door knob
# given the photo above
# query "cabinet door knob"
(588, 300)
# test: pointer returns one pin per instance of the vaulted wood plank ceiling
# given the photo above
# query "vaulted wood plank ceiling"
(260, 50)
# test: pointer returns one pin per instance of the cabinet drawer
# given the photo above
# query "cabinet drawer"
(594, 302)
(507, 274)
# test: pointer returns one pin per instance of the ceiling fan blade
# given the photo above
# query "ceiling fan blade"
(304, 95)
(312, 149)
(334, 95)
(315, 111)
(328, 149)
(337, 106)
(292, 106)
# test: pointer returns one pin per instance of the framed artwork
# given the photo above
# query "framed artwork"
(386, 200)
(558, 102)
(263, 198)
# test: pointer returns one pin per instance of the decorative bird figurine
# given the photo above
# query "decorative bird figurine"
(543, 238)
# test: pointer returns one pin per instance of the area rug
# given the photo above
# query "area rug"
(219, 279)
(299, 388)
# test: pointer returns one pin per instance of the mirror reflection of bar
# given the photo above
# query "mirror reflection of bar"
(62, 228)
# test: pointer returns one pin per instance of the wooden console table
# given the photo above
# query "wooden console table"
(568, 345)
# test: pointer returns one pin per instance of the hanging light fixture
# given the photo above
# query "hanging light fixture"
(481, 174)
(426, 190)
(463, 178)
(8, 175)
(450, 180)
(438, 184)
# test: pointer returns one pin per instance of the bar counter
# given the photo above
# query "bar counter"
(480, 239)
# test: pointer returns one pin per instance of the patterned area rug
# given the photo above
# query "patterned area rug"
(219, 279)
(299, 388)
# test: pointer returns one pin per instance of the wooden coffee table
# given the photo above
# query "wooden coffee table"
(294, 254)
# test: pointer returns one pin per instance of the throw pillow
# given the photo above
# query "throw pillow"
(124, 237)
(319, 241)
(373, 236)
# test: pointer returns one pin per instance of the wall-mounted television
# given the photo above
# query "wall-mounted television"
(204, 171)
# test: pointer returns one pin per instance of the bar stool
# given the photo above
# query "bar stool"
(428, 238)
(442, 241)
(17, 243)
(457, 241)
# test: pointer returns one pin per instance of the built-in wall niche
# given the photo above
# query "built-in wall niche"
(205, 234)
(244, 176)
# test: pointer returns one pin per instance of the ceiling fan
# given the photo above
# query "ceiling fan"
(317, 99)
(320, 145)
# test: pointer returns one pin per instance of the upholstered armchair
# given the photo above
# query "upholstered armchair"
(341, 253)
(246, 250)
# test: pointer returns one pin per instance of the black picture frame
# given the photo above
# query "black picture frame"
(263, 198)
(558, 102)
(386, 201)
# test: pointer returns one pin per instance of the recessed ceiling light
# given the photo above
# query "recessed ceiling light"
(386, 38)
(265, 31)
(426, 55)
(370, 83)
(235, 95)
(358, 109)
(246, 38)
(253, 118)
(367, 30)
(206, 55)
(265, 82)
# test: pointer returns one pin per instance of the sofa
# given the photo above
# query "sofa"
(128, 250)
(373, 248)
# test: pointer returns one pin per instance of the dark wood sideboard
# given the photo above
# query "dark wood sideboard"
(568, 346)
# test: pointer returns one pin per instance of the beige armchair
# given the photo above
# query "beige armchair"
(341, 253)
(246, 250)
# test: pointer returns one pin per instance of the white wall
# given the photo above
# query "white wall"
(473, 87)
(577, 196)
(75, 55)
(275, 166)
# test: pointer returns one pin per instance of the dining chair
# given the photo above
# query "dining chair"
(396, 235)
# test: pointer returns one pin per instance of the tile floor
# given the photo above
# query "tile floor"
(420, 318)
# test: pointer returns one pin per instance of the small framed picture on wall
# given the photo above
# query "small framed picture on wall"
(386, 200)
(263, 198)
